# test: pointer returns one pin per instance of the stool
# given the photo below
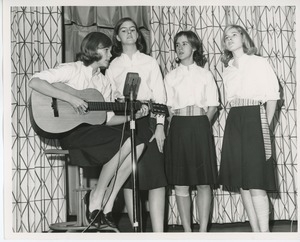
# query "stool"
(81, 224)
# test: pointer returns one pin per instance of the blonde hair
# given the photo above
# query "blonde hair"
(248, 45)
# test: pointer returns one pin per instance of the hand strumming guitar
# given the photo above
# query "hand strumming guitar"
(79, 105)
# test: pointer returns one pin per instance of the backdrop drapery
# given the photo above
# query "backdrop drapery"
(38, 181)
(273, 31)
(79, 21)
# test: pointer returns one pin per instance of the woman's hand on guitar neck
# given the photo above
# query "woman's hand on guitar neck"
(144, 111)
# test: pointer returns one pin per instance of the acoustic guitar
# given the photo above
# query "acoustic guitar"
(52, 118)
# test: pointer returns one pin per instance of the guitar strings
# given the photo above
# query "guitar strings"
(115, 174)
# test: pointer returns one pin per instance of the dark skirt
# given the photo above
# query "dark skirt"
(243, 159)
(93, 145)
(190, 152)
(151, 169)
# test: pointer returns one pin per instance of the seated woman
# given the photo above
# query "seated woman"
(93, 145)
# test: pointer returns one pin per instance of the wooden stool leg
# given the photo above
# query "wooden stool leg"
(81, 222)
(80, 193)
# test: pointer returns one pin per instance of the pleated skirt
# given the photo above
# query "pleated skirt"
(243, 159)
(190, 152)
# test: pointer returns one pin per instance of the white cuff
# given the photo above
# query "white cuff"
(160, 119)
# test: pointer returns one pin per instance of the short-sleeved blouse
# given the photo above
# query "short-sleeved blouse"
(151, 87)
(78, 76)
(191, 85)
(253, 79)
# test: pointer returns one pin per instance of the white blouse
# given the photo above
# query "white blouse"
(78, 76)
(253, 79)
(151, 86)
(191, 85)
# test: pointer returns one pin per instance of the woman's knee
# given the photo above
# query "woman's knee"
(126, 147)
(182, 191)
(203, 188)
(257, 192)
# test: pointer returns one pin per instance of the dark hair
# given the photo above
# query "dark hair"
(196, 43)
(89, 45)
(117, 48)
(248, 45)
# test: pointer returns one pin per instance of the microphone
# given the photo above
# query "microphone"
(132, 84)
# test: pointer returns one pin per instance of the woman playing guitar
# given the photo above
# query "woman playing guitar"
(92, 145)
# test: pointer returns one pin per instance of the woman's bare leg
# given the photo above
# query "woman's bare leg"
(249, 207)
(157, 208)
(106, 174)
(203, 201)
(261, 206)
(124, 172)
(183, 201)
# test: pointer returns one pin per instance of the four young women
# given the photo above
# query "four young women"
(251, 89)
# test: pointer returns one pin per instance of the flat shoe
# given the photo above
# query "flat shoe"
(92, 217)
(106, 221)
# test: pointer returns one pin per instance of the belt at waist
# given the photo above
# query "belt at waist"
(238, 102)
(264, 122)
(189, 111)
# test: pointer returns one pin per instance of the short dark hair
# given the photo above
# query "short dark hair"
(196, 43)
(89, 45)
(117, 48)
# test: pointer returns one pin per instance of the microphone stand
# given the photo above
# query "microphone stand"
(135, 187)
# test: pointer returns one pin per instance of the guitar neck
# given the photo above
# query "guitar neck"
(111, 106)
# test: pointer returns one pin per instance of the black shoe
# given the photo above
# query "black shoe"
(107, 221)
(92, 217)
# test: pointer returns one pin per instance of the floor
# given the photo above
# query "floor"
(275, 226)
(124, 224)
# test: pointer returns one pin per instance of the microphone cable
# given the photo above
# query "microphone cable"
(114, 176)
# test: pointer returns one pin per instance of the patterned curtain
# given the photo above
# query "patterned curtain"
(38, 181)
(38, 194)
(273, 31)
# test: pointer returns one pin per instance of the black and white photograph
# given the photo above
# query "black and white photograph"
(149, 120)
